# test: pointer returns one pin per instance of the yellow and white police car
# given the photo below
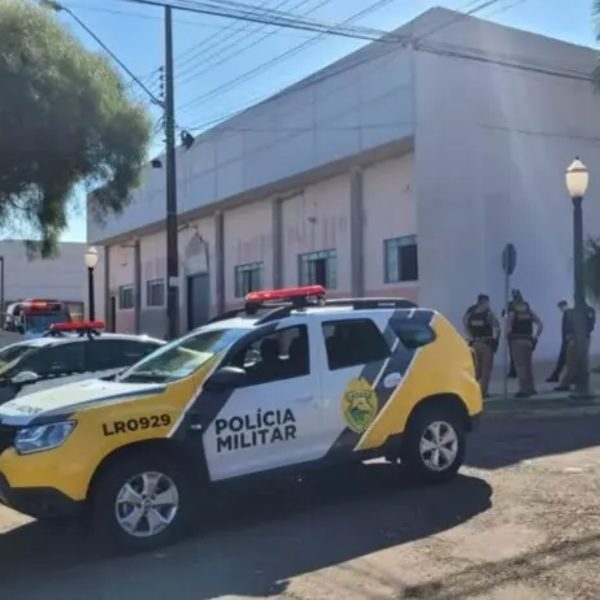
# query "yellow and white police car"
(291, 381)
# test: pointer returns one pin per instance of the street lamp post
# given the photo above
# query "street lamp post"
(577, 180)
(91, 260)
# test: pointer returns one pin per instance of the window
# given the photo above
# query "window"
(61, 359)
(155, 292)
(413, 334)
(248, 278)
(319, 268)
(277, 356)
(401, 259)
(125, 297)
(103, 354)
(183, 356)
(355, 342)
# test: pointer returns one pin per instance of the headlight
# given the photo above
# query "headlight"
(42, 437)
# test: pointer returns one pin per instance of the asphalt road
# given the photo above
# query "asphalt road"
(522, 521)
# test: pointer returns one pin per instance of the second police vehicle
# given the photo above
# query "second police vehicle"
(290, 382)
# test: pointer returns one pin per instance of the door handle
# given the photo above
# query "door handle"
(306, 399)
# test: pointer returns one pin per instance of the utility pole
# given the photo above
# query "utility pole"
(171, 184)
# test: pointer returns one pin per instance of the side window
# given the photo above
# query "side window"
(61, 359)
(353, 342)
(413, 335)
(111, 354)
(280, 355)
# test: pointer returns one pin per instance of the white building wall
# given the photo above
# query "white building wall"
(492, 145)
(248, 232)
(389, 212)
(357, 104)
(318, 219)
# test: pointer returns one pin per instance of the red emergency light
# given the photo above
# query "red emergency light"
(77, 326)
(310, 291)
(42, 305)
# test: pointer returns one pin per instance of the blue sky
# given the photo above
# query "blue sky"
(211, 51)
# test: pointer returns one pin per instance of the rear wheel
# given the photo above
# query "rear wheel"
(434, 444)
(142, 502)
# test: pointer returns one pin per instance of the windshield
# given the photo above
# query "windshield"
(10, 355)
(40, 322)
(183, 356)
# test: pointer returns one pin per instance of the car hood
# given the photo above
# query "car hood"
(49, 404)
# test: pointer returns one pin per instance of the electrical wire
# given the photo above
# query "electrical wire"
(192, 74)
(249, 13)
(261, 68)
(57, 6)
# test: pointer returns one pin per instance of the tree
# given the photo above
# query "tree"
(65, 120)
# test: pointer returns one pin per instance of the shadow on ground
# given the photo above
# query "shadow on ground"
(256, 542)
(482, 579)
(505, 440)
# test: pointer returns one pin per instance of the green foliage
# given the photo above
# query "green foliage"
(65, 119)
(592, 269)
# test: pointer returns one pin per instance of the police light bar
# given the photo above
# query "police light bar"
(310, 291)
(77, 326)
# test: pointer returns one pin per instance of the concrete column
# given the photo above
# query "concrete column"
(357, 234)
(220, 262)
(277, 244)
(108, 317)
(137, 285)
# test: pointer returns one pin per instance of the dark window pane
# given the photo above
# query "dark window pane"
(318, 268)
(408, 263)
(355, 342)
(248, 278)
(400, 259)
(126, 297)
(112, 354)
(155, 292)
(61, 359)
(413, 335)
(277, 356)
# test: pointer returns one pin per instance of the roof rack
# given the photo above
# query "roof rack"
(372, 303)
(279, 304)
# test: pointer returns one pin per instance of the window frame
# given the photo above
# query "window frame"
(155, 283)
(126, 288)
(396, 244)
(331, 273)
(247, 341)
(349, 321)
(239, 271)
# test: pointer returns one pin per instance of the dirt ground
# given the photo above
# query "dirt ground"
(521, 522)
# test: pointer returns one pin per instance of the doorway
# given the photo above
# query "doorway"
(198, 300)
(112, 314)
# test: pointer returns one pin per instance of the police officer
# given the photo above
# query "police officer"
(570, 375)
(524, 330)
(483, 331)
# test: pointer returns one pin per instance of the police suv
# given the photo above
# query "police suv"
(289, 382)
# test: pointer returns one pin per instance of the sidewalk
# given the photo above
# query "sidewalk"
(546, 400)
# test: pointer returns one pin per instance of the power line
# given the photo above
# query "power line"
(193, 73)
(249, 13)
(275, 60)
(56, 6)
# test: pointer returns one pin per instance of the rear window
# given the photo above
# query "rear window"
(353, 342)
(413, 334)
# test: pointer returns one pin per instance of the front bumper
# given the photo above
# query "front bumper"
(39, 502)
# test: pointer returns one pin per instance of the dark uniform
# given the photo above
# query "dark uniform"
(522, 344)
(571, 340)
(480, 326)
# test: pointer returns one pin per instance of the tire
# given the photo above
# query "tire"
(419, 447)
(151, 495)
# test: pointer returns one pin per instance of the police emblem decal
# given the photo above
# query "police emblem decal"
(359, 405)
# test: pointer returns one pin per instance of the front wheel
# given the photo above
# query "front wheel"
(142, 502)
(434, 445)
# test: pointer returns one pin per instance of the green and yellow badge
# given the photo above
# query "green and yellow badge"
(359, 405)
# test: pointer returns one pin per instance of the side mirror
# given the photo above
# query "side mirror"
(226, 378)
(25, 377)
